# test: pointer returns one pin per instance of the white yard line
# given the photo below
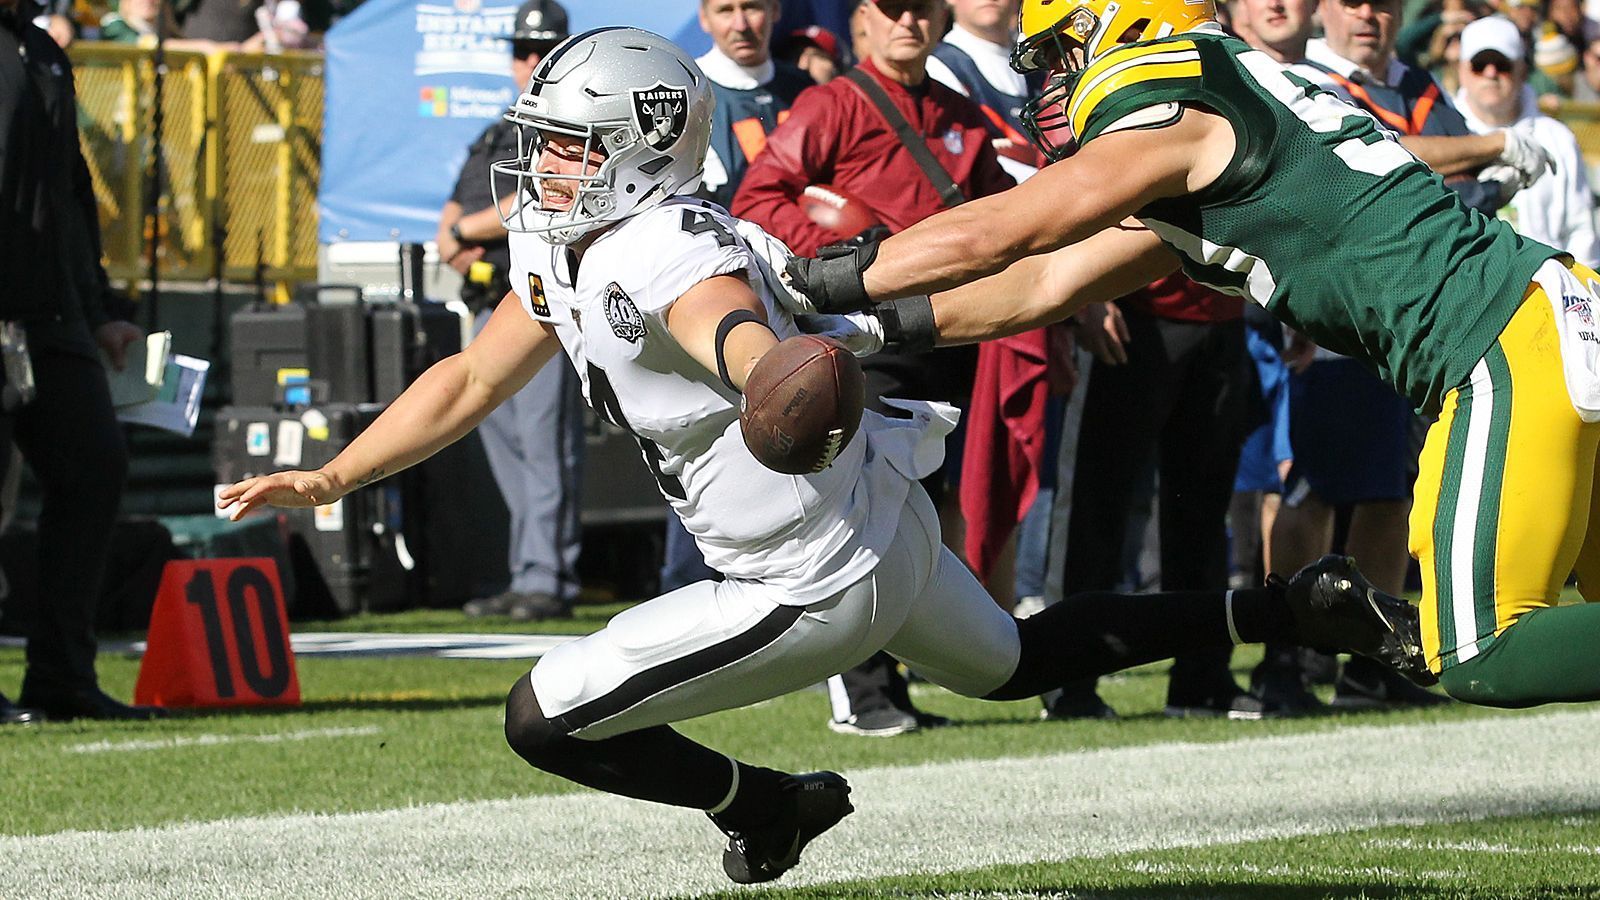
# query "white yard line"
(1482, 847)
(934, 817)
(212, 740)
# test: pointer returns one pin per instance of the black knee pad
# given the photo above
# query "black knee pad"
(530, 734)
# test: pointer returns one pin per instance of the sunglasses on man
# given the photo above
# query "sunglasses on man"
(920, 9)
(1487, 58)
(522, 50)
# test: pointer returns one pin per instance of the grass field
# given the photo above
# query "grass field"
(392, 780)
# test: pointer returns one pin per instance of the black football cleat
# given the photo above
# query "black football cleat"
(1336, 608)
(812, 803)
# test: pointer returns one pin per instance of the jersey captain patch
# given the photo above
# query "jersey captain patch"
(1127, 79)
(622, 315)
(536, 298)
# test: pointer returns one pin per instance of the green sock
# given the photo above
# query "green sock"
(1547, 656)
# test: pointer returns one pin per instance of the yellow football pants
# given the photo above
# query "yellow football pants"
(1504, 507)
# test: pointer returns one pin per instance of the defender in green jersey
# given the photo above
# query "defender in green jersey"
(1187, 148)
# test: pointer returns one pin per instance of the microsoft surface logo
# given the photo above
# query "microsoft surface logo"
(434, 102)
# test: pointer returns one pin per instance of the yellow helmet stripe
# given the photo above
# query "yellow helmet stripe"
(1132, 53)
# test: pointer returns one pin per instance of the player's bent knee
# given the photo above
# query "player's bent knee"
(1484, 685)
(533, 737)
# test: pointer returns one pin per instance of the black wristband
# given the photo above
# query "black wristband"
(908, 324)
(728, 323)
(840, 269)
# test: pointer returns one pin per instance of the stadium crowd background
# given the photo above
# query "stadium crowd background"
(1561, 42)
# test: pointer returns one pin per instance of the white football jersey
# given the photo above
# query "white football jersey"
(813, 535)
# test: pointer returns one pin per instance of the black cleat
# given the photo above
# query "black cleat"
(813, 803)
(1336, 608)
(1367, 685)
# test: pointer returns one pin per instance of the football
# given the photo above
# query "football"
(802, 404)
(837, 211)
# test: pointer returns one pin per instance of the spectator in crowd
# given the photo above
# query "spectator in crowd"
(752, 92)
(1525, 14)
(974, 59)
(813, 50)
(1356, 59)
(833, 15)
(1555, 56)
(55, 17)
(1265, 456)
(1424, 43)
(1168, 385)
(1583, 33)
(57, 403)
(1568, 16)
(1528, 16)
(836, 135)
(247, 25)
(534, 440)
(752, 89)
(1558, 208)
(136, 21)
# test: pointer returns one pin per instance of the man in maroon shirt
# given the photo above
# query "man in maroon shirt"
(835, 135)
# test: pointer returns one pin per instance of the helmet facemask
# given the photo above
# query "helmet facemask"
(593, 201)
(1065, 43)
(1063, 52)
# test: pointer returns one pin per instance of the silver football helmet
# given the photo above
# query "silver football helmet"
(629, 93)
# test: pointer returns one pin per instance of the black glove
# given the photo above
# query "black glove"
(833, 279)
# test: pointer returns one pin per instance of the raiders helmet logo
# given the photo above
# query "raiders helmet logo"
(660, 113)
(622, 315)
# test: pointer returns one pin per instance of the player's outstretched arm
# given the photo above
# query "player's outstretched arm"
(723, 325)
(441, 406)
(1109, 179)
(1049, 287)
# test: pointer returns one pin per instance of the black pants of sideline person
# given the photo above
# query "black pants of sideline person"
(945, 375)
(70, 439)
(1180, 402)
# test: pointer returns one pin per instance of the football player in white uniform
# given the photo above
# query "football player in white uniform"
(663, 307)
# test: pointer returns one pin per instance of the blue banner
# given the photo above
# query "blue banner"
(411, 83)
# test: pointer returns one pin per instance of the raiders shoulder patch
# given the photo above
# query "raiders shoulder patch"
(622, 315)
(536, 298)
(661, 112)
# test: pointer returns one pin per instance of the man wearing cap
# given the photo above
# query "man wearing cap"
(535, 439)
(1558, 208)
(814, 50)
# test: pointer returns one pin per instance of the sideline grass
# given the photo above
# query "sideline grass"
(1519, 858)
(438, 739)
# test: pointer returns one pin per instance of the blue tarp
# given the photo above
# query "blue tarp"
(411, 83)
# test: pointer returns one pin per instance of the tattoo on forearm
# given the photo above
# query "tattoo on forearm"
(370, 477)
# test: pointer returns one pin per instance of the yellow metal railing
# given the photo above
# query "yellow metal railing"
(242, 137)
(1584, 120)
